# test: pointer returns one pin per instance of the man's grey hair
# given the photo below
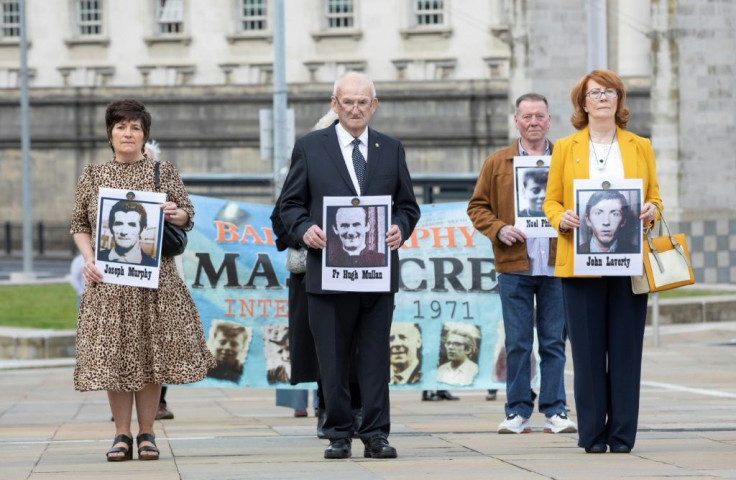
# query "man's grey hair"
(532, 97)
(353, 72)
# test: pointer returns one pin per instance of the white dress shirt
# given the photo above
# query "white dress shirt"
(346, 146)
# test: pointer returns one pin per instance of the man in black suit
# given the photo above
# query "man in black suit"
(350, 159)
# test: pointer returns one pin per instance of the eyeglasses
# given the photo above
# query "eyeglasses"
(349, 104)
(597, 93)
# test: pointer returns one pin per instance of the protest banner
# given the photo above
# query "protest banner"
(448, 295)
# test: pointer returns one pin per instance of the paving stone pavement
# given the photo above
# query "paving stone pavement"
(687, 429)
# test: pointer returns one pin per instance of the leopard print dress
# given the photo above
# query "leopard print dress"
(128, 337)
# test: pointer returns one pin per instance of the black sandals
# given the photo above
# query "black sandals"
(127, 452)
(147, 437)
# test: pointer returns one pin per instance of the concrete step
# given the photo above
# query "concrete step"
(33, 344)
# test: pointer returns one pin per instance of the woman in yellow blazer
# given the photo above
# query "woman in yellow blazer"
(604, 319)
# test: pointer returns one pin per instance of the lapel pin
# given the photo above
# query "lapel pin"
(377, 145)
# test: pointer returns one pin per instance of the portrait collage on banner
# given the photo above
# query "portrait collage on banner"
(128, 237)
(445, 331)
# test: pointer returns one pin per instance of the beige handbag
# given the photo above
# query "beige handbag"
(296, 260)
(666, 262)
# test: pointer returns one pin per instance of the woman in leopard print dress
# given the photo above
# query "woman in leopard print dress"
(130, 340)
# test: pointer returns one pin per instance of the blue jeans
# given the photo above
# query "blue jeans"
(517, 303)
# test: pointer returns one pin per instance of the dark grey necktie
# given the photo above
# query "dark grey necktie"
(359, 165)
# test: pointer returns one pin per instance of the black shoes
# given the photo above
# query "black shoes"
(321, 417)
(602, 447)
(339, 448)
(378, 447)
(127, 451)
(596, 448)
(151, 451)
(446, 395)
(620, 448)
(430, 396)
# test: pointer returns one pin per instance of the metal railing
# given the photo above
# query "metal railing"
(258, 187)
(47, 237)
(429, 187)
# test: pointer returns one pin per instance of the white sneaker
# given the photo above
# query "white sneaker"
(515, 424)
(559, 423)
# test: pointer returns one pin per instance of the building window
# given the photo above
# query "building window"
(253, 15)
(169, 16)
(89, 19)
(340, 14)
(10, 26)
(429, 12)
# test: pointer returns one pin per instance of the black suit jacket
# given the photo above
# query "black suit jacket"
(318, 170)
(304, 366)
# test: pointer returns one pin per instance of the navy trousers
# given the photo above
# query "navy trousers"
(605, 323)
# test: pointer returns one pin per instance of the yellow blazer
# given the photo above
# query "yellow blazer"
(570, 161)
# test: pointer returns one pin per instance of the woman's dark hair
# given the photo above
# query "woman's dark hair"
(120, 110)
(607, 79)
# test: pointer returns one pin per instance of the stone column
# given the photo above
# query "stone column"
(558, 55)
(665, 99)
(706, 40)
(520, 81)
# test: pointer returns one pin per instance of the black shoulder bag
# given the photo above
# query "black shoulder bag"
(175, 238)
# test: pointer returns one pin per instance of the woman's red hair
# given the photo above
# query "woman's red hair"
(607, 79)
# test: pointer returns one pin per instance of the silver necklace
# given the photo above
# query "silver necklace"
(602, 161)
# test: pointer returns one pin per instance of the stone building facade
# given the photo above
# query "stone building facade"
(447, 72)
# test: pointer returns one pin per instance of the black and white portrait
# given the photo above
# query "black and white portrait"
(531, 190)
(459, 352)
(355, 236)
(609, 221)
(276, 353)
(405, 343)
(129, 231)
(228, 342)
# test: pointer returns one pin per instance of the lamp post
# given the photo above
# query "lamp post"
(25, 147)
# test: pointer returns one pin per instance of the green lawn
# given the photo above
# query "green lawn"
(38, 306)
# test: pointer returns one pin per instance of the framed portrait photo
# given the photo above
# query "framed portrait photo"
(530, 190)
(356, 257)
(129, 233)
(609, 239)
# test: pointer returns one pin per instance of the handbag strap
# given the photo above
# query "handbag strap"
(675, 245)
(156, 183)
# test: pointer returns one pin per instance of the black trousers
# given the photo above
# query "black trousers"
(340, 323)
(605, 322)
